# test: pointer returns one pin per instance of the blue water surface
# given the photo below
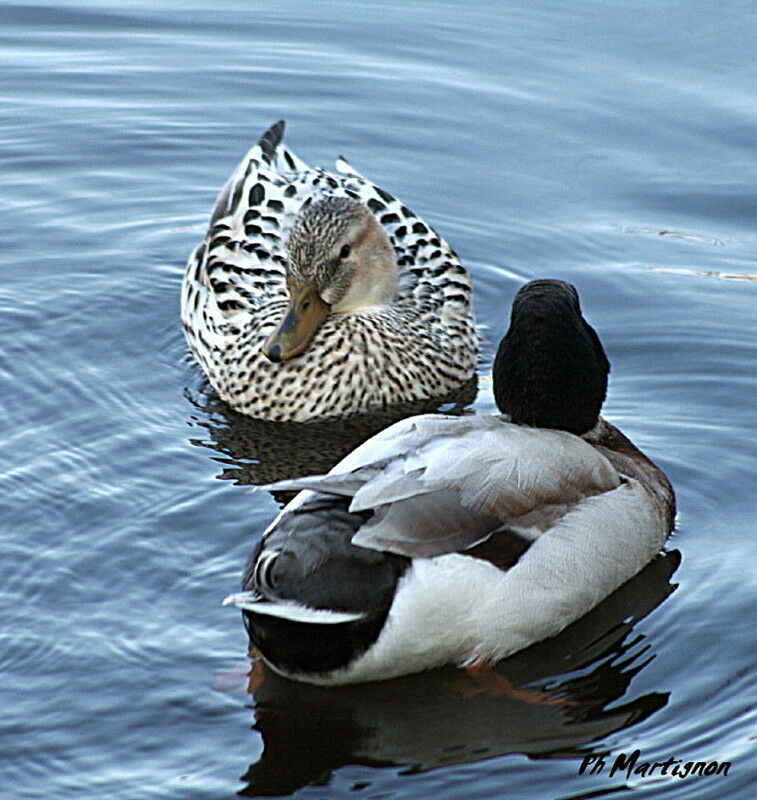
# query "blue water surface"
(611, 144)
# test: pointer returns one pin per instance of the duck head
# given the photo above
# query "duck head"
(339, 260)
(551, 369)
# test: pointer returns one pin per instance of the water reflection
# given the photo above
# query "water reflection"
(432, 720)
(254, 451)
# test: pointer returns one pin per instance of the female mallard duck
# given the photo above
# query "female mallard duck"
(463, 539)
(317, 294)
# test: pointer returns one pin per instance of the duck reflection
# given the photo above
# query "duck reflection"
(253, 451)
(443, 718)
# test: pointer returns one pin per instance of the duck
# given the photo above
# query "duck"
(317, 294)
(462, 540)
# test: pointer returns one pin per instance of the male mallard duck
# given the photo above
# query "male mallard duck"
(316, 294)
(462, 540)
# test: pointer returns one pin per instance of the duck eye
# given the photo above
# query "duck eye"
(345, 251)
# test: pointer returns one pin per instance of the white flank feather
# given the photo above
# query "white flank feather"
(454, 608)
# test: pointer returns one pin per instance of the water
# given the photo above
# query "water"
(610, 144)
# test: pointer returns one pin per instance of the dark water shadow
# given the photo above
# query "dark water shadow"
(253, 451)
(436, 719)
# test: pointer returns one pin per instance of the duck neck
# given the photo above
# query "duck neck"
(550, 370)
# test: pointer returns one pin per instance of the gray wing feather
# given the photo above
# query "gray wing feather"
(425, 525)
(344, 485)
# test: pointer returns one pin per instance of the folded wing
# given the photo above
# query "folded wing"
(439, 484)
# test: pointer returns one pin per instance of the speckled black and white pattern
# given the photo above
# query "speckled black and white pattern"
(424, 345)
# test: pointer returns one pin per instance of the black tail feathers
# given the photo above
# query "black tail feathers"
(271, 139)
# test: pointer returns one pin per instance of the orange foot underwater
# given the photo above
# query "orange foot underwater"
(244, 677)
(488, 682)
(257, 672)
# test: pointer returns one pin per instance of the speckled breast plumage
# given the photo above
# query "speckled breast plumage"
(422, 346)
